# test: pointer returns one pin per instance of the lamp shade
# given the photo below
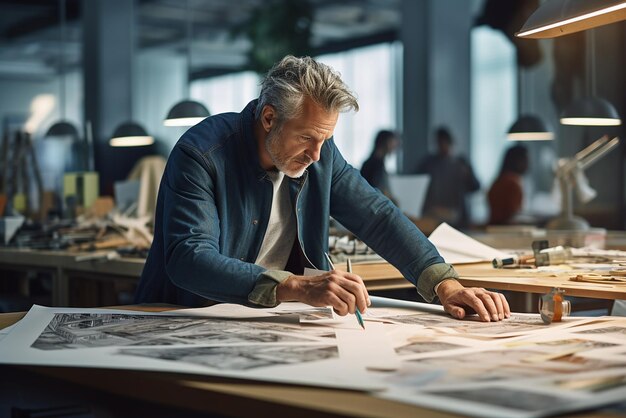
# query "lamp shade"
(530, 128)
(62, 129)
(130, 134)
(591, 111)
(186, 113)
(561, 17)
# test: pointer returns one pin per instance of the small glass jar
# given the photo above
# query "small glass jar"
(552, 306)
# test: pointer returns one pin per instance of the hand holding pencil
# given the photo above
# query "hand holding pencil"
(344, 291)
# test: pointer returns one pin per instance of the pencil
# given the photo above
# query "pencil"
(358, 314)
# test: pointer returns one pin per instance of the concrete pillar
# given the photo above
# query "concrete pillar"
(414, 34)
(436, 74)
(107, 65)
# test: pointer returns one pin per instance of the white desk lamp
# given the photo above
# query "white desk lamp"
(570, 174)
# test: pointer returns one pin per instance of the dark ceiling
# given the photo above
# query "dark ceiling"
(30, 39)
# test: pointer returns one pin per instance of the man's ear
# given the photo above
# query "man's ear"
(268, 117)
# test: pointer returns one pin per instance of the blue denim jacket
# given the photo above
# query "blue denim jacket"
(214, 204)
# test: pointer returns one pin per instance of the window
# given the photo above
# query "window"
(370, 72)
(227, 93)
(493, 107)
(374, 85)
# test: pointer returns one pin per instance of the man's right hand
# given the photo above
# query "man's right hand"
(343, 291)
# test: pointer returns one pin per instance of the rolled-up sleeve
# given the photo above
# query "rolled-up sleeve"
(264, 292)
(431, 277)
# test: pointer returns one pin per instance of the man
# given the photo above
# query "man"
(373, 169)
(451, 178)
(245, 200)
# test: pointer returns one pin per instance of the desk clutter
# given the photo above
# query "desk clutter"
(102, 228)
(409, 352)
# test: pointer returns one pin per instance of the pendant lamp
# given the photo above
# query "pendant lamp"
(63, 128)
(528, 127)
(561, 17)
(187, 112)
(591, 110)
(130, 133)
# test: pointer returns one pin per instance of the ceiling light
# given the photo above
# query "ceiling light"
(130, 134)
(591, 111)
(186, 113)
(561, 17)
(529, 128)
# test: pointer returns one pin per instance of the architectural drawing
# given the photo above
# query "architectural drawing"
(83, 330)
(239, 358)
(417, 356)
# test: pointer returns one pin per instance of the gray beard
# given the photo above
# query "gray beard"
(281, 165)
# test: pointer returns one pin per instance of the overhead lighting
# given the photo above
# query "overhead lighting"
(561, 17)
(186, 113)
(529, 128)
(591, 111)
(62, 129)
(130, 134)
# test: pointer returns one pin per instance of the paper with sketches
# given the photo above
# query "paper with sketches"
(305, 313)
(409, 191)
(457, 248)
(409, 352)
(274, 349)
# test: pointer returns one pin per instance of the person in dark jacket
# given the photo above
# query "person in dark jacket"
(373, 169)
(451, 179)
(245, 202)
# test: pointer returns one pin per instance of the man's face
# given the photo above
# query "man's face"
(297, 144)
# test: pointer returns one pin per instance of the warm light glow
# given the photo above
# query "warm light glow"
(582, 121)
(131, 141)
(40, 108)
(571, 20)
(530, 136)
(183, 121)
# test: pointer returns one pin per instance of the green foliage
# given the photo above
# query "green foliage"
(276, 29)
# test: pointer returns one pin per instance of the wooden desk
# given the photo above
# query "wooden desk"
(380, 276)
(237, 398)
(384, 275)
(62, 265)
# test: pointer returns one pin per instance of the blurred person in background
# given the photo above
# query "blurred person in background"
(451, 179)
(506, 195)
(373, 169)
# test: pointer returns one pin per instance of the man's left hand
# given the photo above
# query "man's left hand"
(459, 301)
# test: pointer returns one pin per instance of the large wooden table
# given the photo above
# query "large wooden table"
(385, 276)
(378, 276)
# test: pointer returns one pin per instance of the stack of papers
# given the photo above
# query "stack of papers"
(409, 352)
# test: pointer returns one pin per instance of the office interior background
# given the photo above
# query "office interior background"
(415, 65)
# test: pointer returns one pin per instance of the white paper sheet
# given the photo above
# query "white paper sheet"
(457, 248)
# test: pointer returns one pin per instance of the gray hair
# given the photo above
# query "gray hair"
(289, 81)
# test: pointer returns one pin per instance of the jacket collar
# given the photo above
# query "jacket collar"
(249, 140)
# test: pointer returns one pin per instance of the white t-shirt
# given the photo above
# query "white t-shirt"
(281, 228)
